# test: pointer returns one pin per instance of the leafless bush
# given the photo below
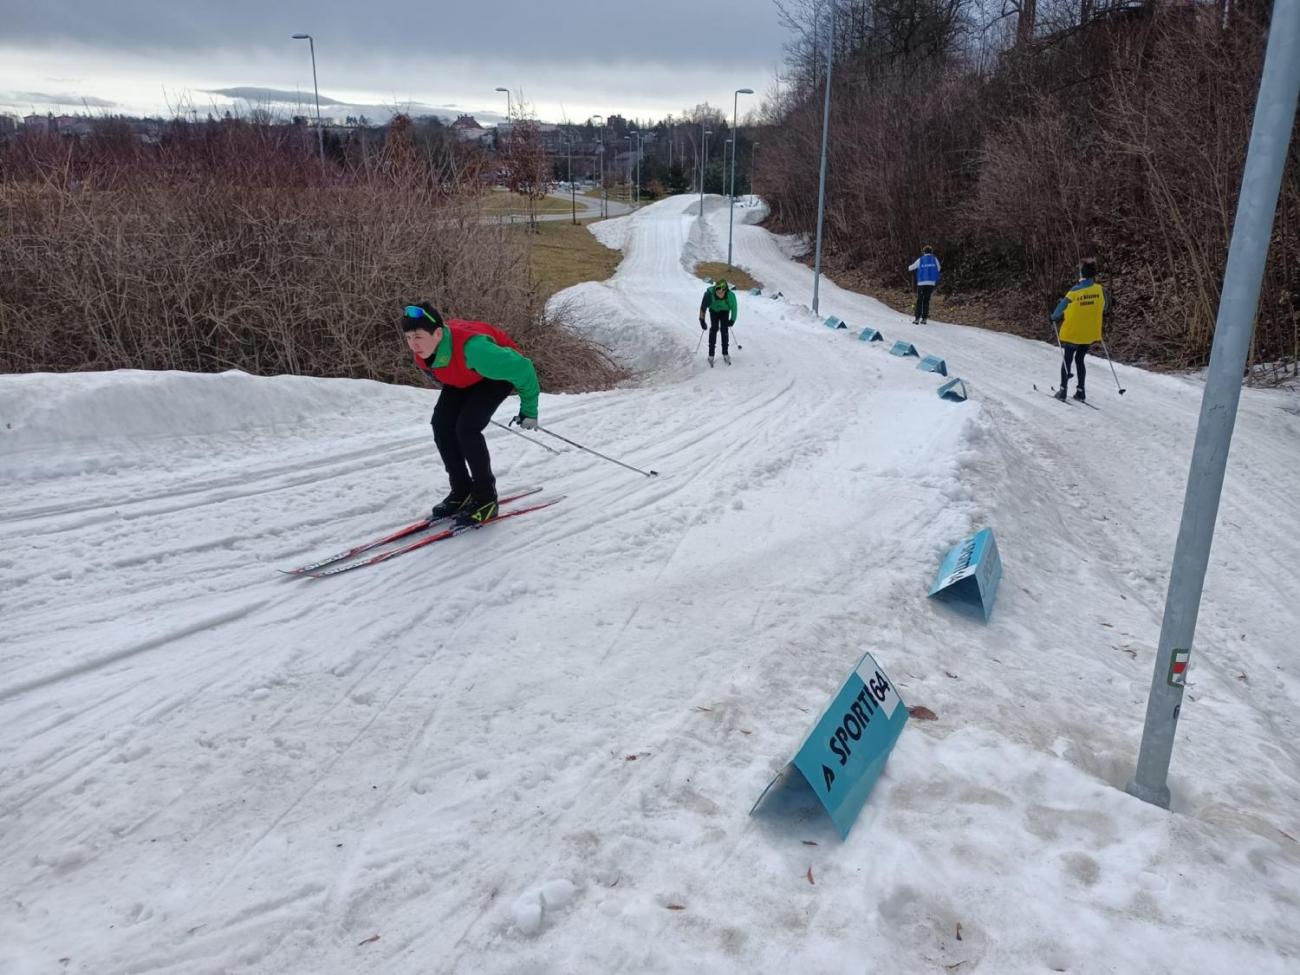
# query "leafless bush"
(228, 249)
(1119, 133)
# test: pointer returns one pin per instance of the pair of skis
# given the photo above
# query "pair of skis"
(1081, 402)
(348, 560)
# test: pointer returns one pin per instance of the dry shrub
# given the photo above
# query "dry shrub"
(226, 247)
(1122, 139)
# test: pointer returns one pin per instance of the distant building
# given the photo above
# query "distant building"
(8, 125)
(38, 124)
(467, 129)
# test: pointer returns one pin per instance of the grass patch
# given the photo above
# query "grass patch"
(561, 255)
(504, 203)
(622, 192)
(738, 279)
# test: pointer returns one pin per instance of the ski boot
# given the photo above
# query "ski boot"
(477, 510)
(1078, 394)
(1060, 394)
(726, 358)
(450, 505)
(710, 362)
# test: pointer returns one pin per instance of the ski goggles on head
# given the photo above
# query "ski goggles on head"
(415, 317)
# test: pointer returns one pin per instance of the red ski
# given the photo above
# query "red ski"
(410, 529)
(457, 529)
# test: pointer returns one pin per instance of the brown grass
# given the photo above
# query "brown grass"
(736, 277)
(561, 255)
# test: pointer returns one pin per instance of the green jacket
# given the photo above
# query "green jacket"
(711, 302)
(492, 361)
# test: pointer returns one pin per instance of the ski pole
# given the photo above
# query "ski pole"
(700, 342)
(1069, 366)
(529, 439)
(574, 443)
(1121, 389)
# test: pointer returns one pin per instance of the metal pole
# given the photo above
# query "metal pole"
(821, 185)
(735, 150)
(320, 133)
(753, 169)
(1275, 110)
(573, 190)
(704, 158)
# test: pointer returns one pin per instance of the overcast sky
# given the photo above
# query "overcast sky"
(569, 58)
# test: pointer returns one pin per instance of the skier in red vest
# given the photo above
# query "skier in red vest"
(477, 366)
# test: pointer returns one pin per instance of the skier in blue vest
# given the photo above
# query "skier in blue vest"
(927, 277)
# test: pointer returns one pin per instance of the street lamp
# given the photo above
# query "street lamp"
(573, 191)
(629, 168)
(753, 168)
(640, 148)
(704, 157)
(821, 183)
(320, 133)
(735, 149)
(508, 109)
(604, 206)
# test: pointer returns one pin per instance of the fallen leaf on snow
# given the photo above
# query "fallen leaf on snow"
(701, 707)
(810, 877)
(958, 930)
(369, 941)
(815, 843)
(952, 675)
(675, 907)
(1242, 676)
(922, 713)
(744, 732)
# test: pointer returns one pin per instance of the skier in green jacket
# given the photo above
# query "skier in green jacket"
(720, 302)
(477, 366)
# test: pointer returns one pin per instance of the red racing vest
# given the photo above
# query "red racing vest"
(457, 373)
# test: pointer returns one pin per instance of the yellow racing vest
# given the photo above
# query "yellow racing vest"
(1082, 324)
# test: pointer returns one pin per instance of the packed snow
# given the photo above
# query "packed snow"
(534, 748)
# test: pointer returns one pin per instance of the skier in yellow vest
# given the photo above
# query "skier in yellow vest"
(1080, 313)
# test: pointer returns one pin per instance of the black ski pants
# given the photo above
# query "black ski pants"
(459, 418)
(923, 292)
(1075, 353)
(718, 320)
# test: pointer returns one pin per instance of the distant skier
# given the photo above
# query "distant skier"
(927, 279)
(1080, 313)
(478, 366)
(720, 302)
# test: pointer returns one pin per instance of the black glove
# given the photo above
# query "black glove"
(526, 422)
(703, 327)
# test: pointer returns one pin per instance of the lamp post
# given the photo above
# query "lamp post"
(604, 206)
(509, 112)
(821, 184)
(704, 158)
(636, 184)
(753, 168)
(573, 190)
(628, 139)
(735, 150)
(320, 133)
(1266, 156)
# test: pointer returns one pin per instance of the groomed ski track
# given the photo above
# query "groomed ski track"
(535, 749)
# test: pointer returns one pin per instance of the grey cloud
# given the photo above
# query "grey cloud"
(20, 98)
(271, 98)
(415, 32)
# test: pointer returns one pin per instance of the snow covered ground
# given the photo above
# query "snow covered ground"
(534, 749)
